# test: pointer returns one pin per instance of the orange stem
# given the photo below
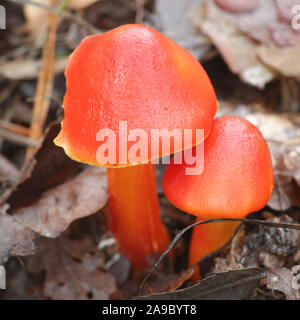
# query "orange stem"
(134, 216)
(208, 238)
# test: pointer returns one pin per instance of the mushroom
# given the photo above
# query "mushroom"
(121, 87)
(237, 179)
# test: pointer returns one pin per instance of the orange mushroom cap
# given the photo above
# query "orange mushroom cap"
(237, 178)
(132, 73)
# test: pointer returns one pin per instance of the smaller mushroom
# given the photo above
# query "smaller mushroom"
(237, 179)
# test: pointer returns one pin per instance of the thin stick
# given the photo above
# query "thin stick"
(18, 138)
(139, 4)
(15, 128)
(45, 84)
(182, 232)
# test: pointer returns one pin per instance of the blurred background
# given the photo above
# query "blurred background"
(251, 52)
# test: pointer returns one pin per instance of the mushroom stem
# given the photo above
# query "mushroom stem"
(207, 238)
(134, 216)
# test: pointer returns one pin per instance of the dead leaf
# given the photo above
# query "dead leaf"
(16, 239)
(256, 45)
(264, 25)
(74, 270)
(168, 282)
(231, 285)
(49, 168)
(238, 51)
(284, 61)
(57, 208)
(47, 197)
(262, 245)
(281, 279)
(255, 24)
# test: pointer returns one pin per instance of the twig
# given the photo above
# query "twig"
(295, 92)
(140, 11)
(75, 281)
(15, 128)
(45, 84)
(63, 13)
(290, 97)
(18, 138)
(182, 232)
(285, 94)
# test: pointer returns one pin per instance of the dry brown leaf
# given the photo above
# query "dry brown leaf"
(254, 23)
(256, 45)
(16, 239)
(49, 168)
(264, 246)
(231, 285)
(168, 282)
(268, 247)
(286, 61)
(263, 25)
(48, 197)
(238, 51)
(73, 270)
(58, 207)
(281, 279)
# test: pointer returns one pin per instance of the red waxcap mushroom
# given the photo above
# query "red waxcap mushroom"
(135, 74)
(237, 179)
(133, 78)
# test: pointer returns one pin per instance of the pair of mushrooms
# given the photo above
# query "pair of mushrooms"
(134, 74)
